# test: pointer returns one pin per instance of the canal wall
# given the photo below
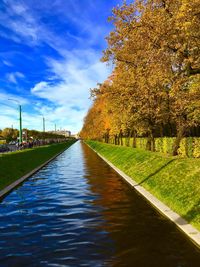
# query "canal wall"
(27, 162)
(120, 156)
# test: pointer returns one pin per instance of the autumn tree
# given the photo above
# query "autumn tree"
(159, 40)
(95, 124)
(10, 134)
(155, 49)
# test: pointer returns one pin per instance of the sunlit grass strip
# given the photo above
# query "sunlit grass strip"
(175, 181)
(16, 164)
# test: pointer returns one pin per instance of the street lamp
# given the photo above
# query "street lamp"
(20, 118)
(43, 124)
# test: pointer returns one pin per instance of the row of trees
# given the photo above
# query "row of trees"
(154, 89)
(10, 134)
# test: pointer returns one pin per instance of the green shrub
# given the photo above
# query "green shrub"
(159, 144)
(165, 145)
(124, 141)
(189, 147)
(196, 147)
(112, 140)
(143, 142)
(131, 142)
(182, 151)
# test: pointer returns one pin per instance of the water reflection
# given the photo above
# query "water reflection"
(141, 236)
(78, 212)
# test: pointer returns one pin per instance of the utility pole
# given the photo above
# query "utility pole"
(20, 124)
(20, 119)
(43, 124)
(55, 127)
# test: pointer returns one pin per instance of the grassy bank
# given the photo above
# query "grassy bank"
(16, 164)
(175, 181)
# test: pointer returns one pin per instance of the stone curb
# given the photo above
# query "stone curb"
(12, 186)
(181, 223)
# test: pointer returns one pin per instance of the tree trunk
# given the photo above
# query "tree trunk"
(120, 137)
(107, 136)
(115, 139)
(161, 130)
(121, 141)
(134, 138)
(176, 145)
(127, 141)
(128, 138)
(150, 142)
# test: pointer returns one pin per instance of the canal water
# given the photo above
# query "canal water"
(77, 211)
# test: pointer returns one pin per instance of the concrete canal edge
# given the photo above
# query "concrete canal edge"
(192, 233)
(16, 183)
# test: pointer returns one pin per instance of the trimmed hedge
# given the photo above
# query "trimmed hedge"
(189, 146)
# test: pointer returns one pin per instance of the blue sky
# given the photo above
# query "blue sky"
(49, 59)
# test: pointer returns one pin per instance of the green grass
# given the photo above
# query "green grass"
(16, 164)
(173, 180)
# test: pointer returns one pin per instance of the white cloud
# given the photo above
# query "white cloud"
(65, 93)
(77, 73)
(9, 104)
(40, 87)
(20, 21)
(7, 63)
(66, 89)
(13, 76)
(4, 98)
(11, 118)
(64, 116)
(7, 122)
(25, 25)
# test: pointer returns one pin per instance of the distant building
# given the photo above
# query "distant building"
(62, 132)
(75, 136)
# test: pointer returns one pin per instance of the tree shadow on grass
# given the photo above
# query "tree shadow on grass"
(190, 215)
(154, 173)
